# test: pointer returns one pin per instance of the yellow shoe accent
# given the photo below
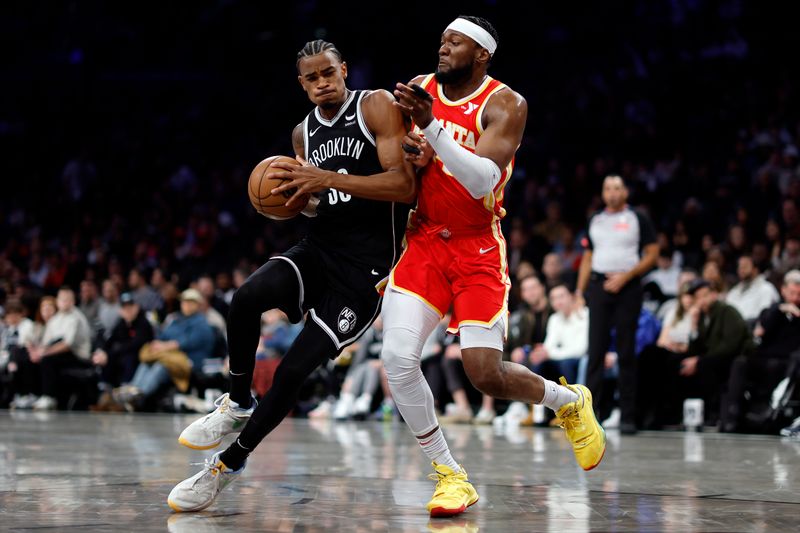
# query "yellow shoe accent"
(174, 506)
(583, 430)
(453, 494)
(188, 444)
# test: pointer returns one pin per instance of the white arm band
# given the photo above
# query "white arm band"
(477, 174)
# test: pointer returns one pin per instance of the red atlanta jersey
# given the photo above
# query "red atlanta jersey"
(443, 200)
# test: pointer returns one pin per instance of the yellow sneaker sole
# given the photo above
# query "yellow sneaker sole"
(443, 512)
(196, 447)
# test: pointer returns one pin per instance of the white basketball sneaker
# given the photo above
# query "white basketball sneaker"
(207, 432)
(199, 491)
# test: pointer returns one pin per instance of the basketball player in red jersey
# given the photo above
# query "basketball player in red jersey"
(468, 127)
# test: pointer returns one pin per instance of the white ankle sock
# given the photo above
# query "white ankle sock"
(556, 396)
(435, 447)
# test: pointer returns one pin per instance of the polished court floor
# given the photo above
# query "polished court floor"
(91, 472)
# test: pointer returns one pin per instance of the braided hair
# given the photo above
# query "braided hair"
(318, 46)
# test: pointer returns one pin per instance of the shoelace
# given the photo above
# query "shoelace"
(444, 480)
(210, 466)
(571, 420)
(223, 403)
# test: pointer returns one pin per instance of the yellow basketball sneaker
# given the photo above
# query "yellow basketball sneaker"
(583, 430)
(453, 494)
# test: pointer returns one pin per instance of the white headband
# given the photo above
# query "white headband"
(474, 32)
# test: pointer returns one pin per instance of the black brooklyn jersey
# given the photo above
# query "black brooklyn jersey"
(368, 232)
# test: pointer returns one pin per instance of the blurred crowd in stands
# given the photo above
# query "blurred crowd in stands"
(125, 227)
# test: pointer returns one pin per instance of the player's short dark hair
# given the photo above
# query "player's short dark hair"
(315, 47)
(485, 24)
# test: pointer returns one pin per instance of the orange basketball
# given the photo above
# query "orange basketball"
(260, 186)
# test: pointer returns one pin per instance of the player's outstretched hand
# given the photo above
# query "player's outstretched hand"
(306, 178)
(425, 150)
(416, 103)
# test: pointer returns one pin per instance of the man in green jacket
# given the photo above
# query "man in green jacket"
(719, 335)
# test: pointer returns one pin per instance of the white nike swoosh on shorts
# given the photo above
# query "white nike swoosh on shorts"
(482, 251)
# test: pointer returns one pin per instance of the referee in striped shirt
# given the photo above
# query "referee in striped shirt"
(621, 249)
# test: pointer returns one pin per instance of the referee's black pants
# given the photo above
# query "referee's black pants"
(607, 311)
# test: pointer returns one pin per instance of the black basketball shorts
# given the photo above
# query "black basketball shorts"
(338, 295)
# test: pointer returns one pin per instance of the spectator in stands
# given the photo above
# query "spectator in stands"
(147, 297)
(774, 240)
(109, 306)
(568, 251)
(205, 284)
(686, 276)
(119, 355)
(753, 293)
(673, 342)
(521, 247)
(158, 279)
(552, 228)
(528, 323)
(712, 273)
(89, 305)
(170, 303)
(19, 332)
(214, 319)
(184, 344)
(736, 244)
(719, 335)
(666, 275)
(66, 345)
(566, 339)
(789, 258)
(47, 310)
(225, 288)
(779, 330)
(277, 334)
(26, 376)
(554, 272)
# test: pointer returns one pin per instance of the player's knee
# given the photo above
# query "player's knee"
(489, 385)
(247, 298)
(486, 376)
(397, 360)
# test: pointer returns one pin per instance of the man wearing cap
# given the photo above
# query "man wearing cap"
(467, 128)
(719, 334)
(119, 355)
(190, 335)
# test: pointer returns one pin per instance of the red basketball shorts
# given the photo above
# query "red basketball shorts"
(468, 272)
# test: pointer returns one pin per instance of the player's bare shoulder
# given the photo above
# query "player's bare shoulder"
(508, 101)
(378, 111)
(379, 99)
(508, 107)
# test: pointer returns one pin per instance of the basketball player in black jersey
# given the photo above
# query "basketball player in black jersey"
(350, 146)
